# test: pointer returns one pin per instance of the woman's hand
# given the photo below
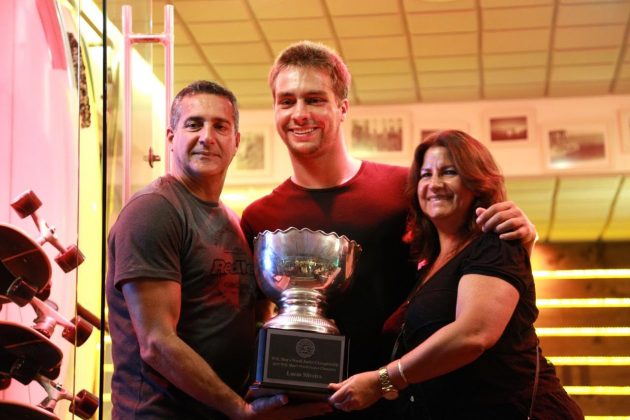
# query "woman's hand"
(357, 392)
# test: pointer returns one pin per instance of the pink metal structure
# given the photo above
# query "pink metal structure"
(166, 39)
(39, 145)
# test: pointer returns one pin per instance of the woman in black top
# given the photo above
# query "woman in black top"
(467, 346)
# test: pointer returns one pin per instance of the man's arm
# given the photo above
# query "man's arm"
(507, 219)
(154, 307)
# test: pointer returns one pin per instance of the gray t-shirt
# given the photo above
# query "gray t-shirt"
(164, 232)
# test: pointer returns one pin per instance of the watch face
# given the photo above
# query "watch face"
(388, 390)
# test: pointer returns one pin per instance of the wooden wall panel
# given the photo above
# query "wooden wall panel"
(585, 346)
(603, 405)
(583, 317)
(594, 375)
(582, 288)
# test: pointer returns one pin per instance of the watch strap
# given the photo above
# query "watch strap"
(388, 390)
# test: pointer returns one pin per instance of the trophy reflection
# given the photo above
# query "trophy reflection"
(300, 351)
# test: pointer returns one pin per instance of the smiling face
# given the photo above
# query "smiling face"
(442, 195)
(308, 114)
(204, 140)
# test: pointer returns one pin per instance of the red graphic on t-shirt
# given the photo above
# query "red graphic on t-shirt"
(229, 286)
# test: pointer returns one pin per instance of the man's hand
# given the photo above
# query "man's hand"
(276, 407)
(509, 222)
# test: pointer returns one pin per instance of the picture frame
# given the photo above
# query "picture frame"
(576, 145)
(378, 135)
(424, 128)
(252, 161)
(509, 127)
(624, 130)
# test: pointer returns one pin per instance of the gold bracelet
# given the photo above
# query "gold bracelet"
(402, 374)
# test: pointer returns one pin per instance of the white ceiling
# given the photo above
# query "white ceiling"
(404, 51)
(587, 208)
(409, 51)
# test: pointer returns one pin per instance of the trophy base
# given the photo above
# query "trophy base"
(299, 364)
(295, 394)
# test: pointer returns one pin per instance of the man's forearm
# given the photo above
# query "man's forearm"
(189, 372)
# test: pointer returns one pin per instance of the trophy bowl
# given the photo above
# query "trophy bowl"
(299, 269)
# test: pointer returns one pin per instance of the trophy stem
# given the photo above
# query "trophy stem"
(302, 309)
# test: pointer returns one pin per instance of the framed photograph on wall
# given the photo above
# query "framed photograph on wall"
(253, 157)
(508, 127)
(424, 128)
(579, 145)
(378, 135)
(624, 128)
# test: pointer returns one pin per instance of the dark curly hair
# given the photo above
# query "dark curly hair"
(198, 87)
(479, 173)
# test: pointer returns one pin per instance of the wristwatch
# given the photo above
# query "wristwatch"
(388, 390)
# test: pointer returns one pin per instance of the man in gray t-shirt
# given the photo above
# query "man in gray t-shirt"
(180, 284)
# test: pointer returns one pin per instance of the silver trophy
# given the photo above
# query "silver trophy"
(300, 351)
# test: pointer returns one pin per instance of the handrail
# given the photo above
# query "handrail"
(129, 38)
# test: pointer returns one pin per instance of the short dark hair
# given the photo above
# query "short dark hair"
(202, 86)
(479, 173)
(315, 55)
